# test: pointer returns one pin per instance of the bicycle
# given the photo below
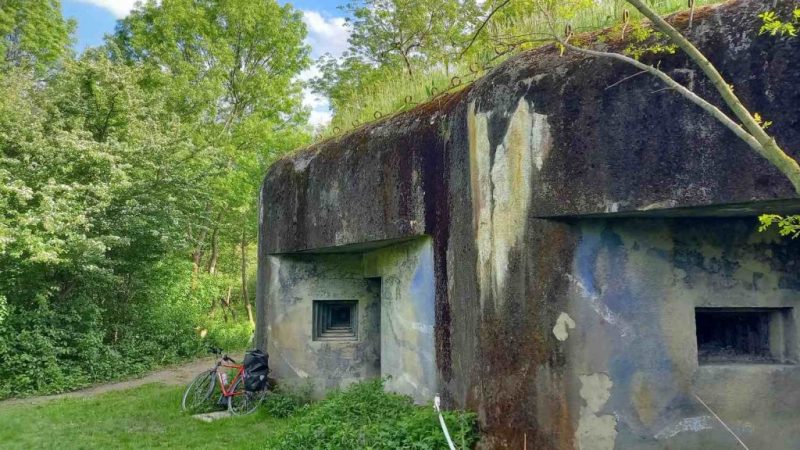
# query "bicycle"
(230, 376)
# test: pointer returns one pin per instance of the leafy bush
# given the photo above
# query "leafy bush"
(49, 346)
(364, 416)
(284, 401)
(229, 335)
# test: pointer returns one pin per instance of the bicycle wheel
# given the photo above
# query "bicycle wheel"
(244, 402)
(199, 392)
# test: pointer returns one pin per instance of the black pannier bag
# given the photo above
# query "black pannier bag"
(256, 369)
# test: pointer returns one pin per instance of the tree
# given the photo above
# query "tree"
(392, 33)
(222, 60)
(394, 39)
(88, 218)
(33, 34)
(117, 165)
(230, 68)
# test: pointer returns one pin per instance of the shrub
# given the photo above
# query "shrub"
(229, 335)
(108, 328)
(364, 416)
(284, 401)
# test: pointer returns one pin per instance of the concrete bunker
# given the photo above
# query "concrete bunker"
(351, 313)
(541, 249)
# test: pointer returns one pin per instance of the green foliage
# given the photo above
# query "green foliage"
(223, 61)
(786, 225)
(641, 39)
(129, 180)
(33, 34)
(88, 230)
(364, 416)
(408, 33)
(774, 26)
(232, 334)
(3, 309)
(391, 44)
(284, 402)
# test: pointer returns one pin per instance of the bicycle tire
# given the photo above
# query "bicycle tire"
(199, 391)
(245, 403)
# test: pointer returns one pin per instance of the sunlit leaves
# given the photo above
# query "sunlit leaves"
(774, 26)
(764, 124)
(786, 225)
(33, 34)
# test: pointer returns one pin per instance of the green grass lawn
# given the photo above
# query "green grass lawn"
(144, 417)
(360, 417)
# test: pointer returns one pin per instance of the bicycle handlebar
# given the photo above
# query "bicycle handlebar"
(218, 351)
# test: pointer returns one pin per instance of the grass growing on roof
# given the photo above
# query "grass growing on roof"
(388, 95)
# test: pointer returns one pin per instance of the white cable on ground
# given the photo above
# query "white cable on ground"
(720, 420)
(436, 405)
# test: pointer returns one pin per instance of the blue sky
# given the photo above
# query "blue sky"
(325, 23)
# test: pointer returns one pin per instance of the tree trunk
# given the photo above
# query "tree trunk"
(249, 309)
(197, 256)
(212, 261)
(245, 296)
(226, 306)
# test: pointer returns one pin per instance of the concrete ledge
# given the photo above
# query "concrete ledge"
(213, 416)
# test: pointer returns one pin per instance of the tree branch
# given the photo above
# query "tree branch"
(481, 27)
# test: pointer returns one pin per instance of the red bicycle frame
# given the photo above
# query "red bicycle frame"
(227, 391)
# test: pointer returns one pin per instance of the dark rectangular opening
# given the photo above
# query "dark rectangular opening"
(335, 320)
(744, 335)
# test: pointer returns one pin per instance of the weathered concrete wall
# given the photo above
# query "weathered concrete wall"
(297, 281)
(499, 173)
(395, 288)
(629, 333)
(408, 356)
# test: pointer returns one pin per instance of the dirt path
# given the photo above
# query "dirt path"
(173, 375)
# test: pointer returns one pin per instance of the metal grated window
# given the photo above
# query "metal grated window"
(335, 320)
(743, 335)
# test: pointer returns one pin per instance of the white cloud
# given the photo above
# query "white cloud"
(309, 73)
(120, 8)
(320, 118)
(325, 34)
(320, 108)
(314, 101)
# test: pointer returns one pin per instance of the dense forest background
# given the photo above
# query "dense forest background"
(129, 173)
(128, 183)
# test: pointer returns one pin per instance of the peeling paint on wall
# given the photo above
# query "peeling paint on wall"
(595, 431)
(564, 323)
(689, 424)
